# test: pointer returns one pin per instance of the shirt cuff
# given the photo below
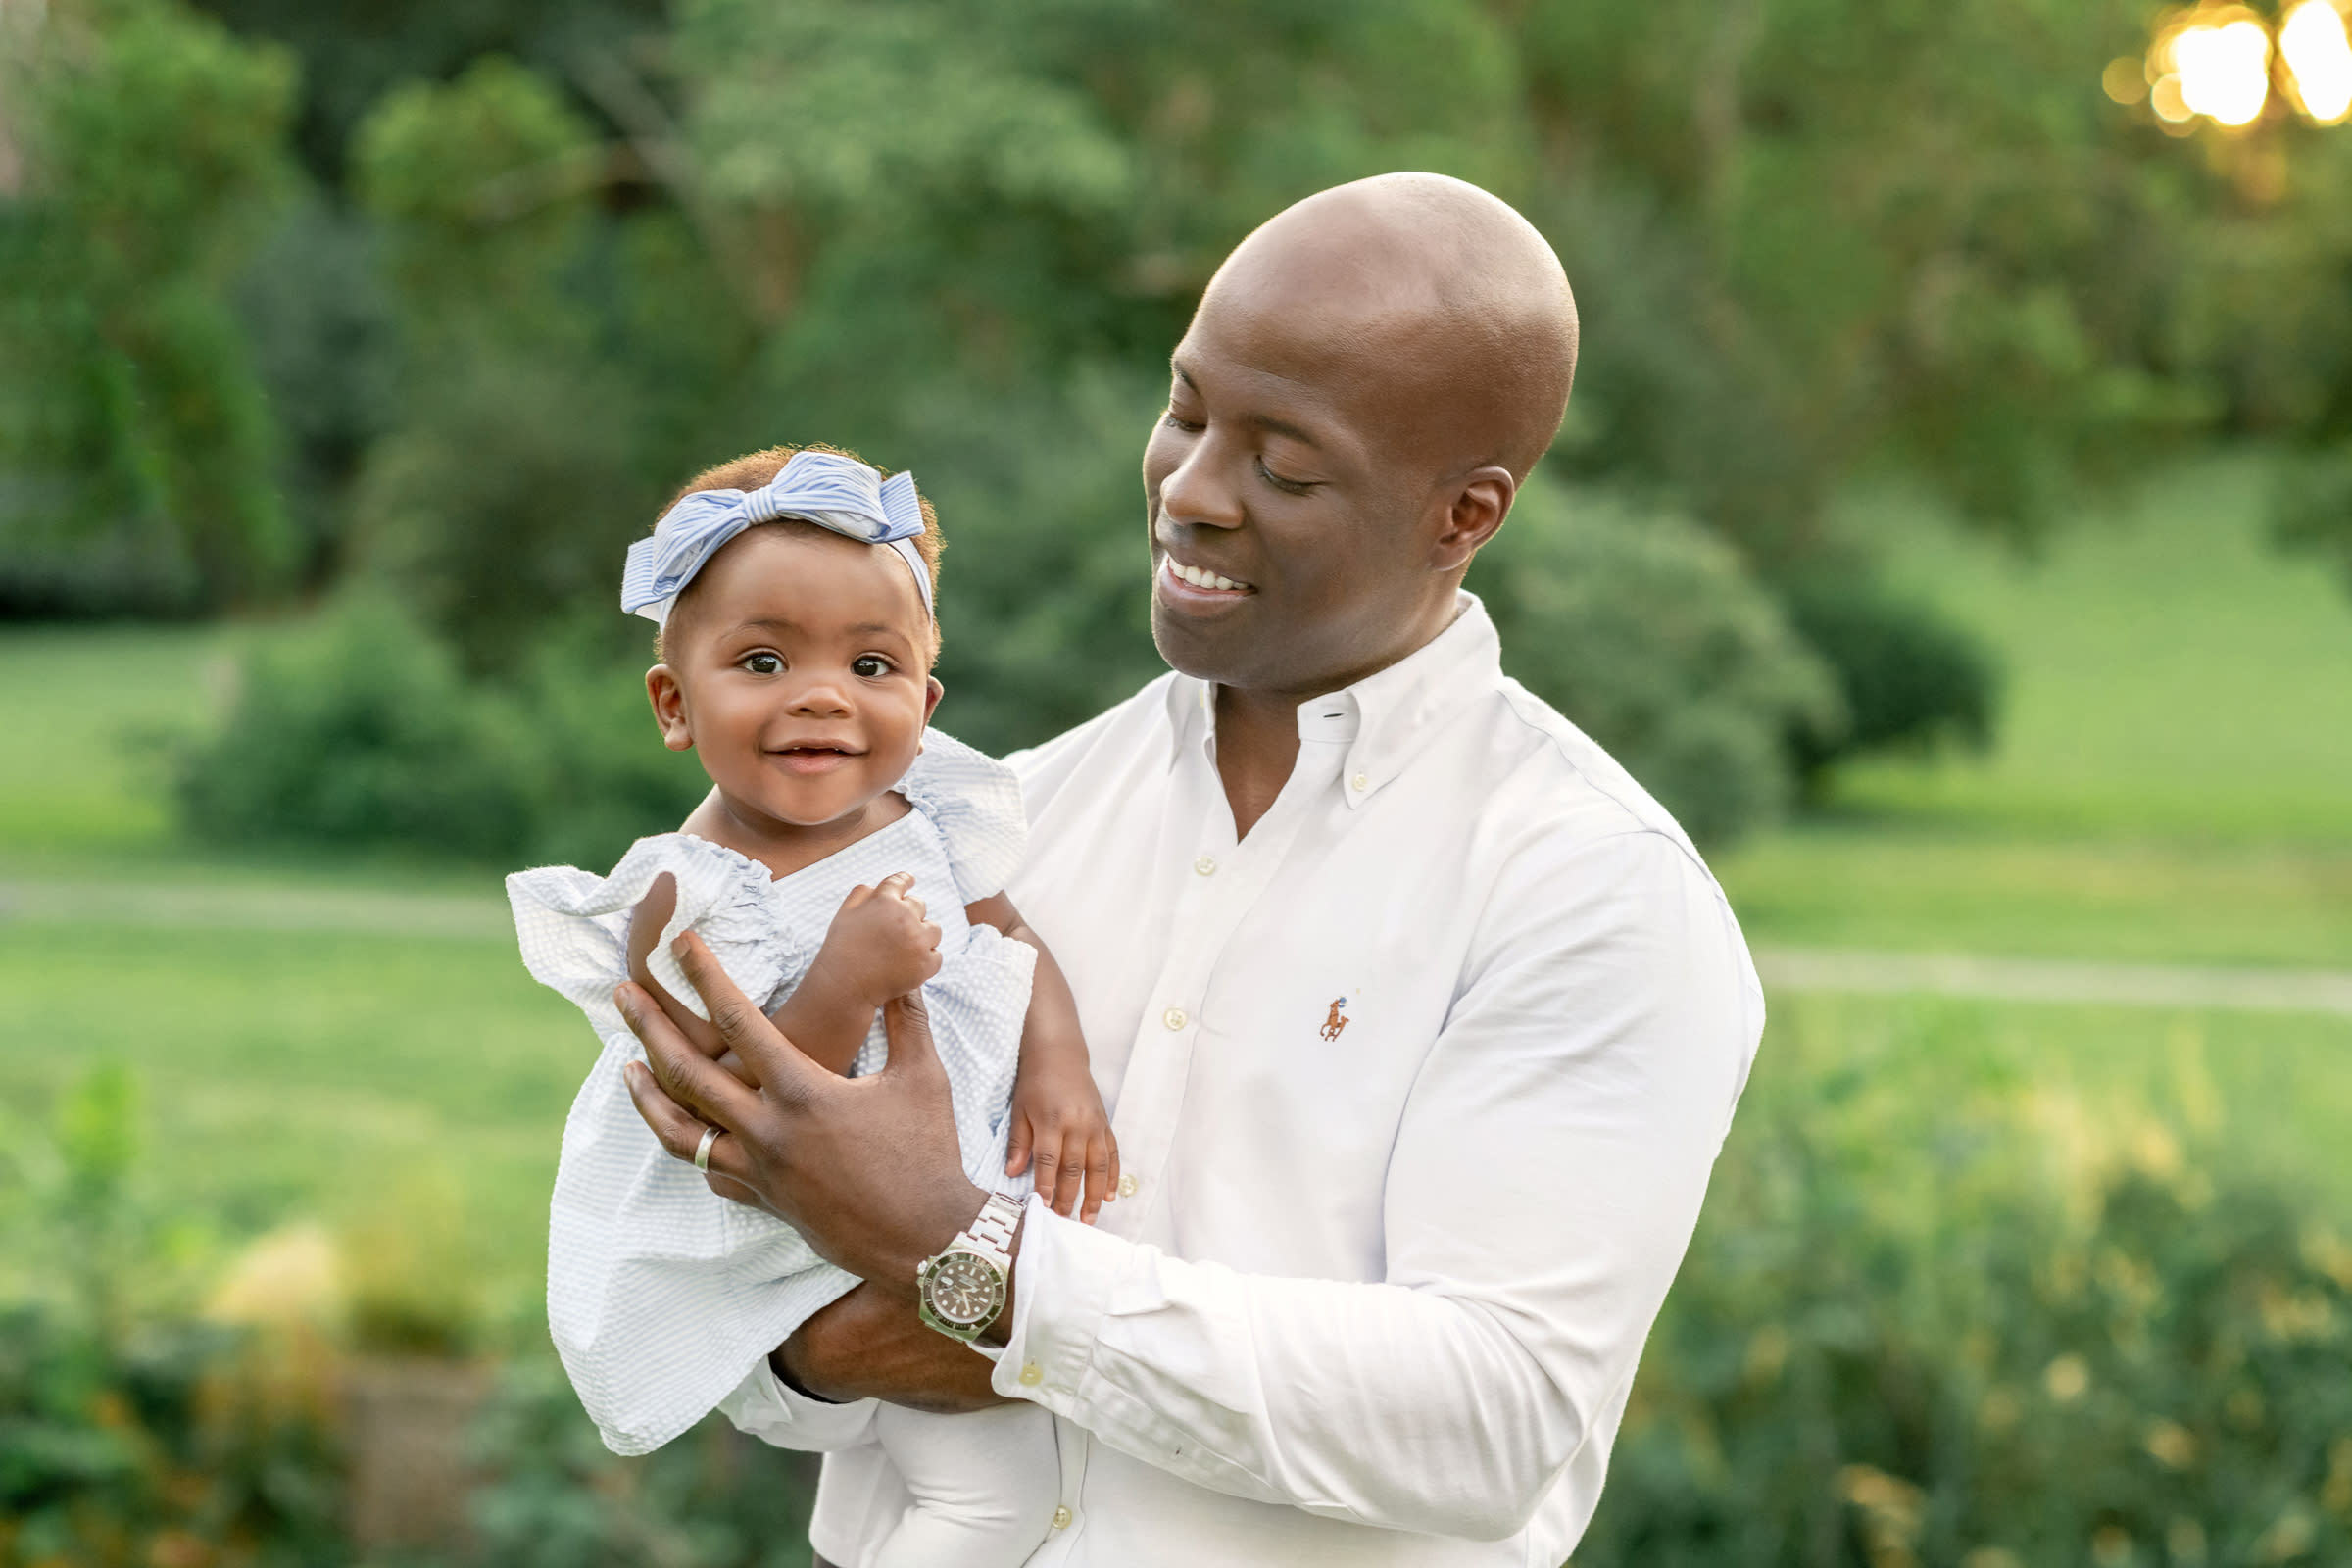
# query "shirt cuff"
(762, 1406)
(1063, 1282)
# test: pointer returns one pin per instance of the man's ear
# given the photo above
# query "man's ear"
(668, 698)
(933, 691)
(1480, 502)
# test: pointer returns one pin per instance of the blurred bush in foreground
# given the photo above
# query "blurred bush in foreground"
(1916, 1329)
(1908, 1333)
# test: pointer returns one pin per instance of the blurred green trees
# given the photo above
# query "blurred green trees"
(136, 451)
(568, 255)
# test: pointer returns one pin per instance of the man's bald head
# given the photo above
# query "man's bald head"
(1366, 381)
(1444, 306)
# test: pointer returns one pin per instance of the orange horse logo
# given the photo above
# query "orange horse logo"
(1336, 1022)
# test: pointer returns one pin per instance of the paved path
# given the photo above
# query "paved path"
(484, 917)
(2144, 985)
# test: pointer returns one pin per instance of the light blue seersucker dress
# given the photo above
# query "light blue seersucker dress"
(662, 1297)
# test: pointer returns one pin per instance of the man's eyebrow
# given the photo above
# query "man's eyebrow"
(1257, 421)
(1283, 427)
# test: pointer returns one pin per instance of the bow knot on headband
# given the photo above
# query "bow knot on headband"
(825, 488)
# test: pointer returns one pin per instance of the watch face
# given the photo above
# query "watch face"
(963, 1289)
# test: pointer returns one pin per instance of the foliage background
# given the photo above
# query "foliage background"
(1942, 528)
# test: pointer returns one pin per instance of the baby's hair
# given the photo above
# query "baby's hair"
(756, 469)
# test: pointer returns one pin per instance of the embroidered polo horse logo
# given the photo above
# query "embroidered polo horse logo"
(1337, 1022)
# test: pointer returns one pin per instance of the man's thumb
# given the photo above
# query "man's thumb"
(906, 1025)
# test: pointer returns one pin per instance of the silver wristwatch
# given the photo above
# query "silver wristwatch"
(961, 1292)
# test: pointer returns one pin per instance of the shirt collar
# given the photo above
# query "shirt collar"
(1383, 719)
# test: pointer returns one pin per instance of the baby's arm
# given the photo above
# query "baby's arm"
(1057, 1115)
(879, 946)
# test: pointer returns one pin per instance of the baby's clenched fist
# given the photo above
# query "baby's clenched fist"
(882, 943)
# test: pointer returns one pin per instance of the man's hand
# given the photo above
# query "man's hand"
(870, 1346)
(868, 1170)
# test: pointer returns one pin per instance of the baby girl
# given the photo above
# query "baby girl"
(845, 855)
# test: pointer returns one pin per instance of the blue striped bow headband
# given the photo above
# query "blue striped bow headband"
(825, 488)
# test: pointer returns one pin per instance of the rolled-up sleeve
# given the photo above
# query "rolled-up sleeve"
(1545, 1178)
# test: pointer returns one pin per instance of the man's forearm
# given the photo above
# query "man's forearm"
(870, 1346)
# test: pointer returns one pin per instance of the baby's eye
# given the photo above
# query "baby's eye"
(870, 666)
(763, 663)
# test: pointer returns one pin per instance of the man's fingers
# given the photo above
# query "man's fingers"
(906, 1025)
(774, 1060)
(698, 1084)
(673, 1127)
(680, 1134)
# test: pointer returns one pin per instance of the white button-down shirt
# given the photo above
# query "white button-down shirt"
(1418, 1086)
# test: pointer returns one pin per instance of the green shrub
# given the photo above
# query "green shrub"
(1906, 1335)
(1911, 681)
(553, 1497)
(1649, 635)
(603, 778)
(361, 731)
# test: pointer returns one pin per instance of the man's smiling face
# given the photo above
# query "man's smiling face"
(797, 672)
(1368, 378)
(1286, 541)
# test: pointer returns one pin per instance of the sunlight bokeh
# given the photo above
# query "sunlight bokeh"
(2225, 69)
(2319, 60)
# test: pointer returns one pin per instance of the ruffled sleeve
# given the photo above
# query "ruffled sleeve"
(574, 926)
(976, 802)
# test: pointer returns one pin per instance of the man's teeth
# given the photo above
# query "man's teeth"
(1201, 579)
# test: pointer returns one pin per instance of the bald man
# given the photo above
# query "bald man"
(1421, 1023)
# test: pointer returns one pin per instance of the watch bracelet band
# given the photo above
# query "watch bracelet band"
(991, 1232)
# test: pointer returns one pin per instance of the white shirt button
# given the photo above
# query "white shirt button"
(1173, 1018)
(1360, 783)
(1063, 1517)
(1206, 865)
(1128, 1184)
(1032, 1374)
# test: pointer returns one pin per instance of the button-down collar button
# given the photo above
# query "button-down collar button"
(1360, 783)
(1127, 1186)
(1206, 865)
(1061, 1518)
(1173, 1018)
(1032, 1374)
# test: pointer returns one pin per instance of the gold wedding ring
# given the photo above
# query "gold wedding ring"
(702, 1150)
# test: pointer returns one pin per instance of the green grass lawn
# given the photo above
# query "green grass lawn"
(330, 1075)
(2173, 775)
(2173, 783)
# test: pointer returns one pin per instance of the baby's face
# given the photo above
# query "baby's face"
(801, 678)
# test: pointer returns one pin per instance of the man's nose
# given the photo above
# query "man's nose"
(1199, 491)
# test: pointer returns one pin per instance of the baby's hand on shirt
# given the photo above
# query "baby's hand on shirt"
(1059, 1125)
(882, 943)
